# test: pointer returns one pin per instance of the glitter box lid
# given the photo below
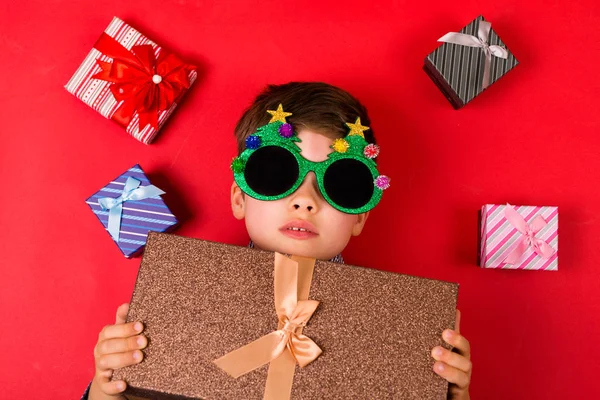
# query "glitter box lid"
(199, 300)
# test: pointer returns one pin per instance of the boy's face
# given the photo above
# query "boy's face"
(302, 223)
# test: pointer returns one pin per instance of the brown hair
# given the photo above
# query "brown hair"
(317, 106)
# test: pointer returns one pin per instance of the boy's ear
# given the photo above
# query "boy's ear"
(360, 223)
(238, 202)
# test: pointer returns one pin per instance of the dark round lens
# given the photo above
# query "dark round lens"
(349, 183)
(271, 171)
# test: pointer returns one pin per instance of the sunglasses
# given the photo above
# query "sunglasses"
(272, 167)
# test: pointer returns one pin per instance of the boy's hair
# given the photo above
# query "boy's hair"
(317, 106)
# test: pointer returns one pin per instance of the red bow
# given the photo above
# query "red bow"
(142, 82)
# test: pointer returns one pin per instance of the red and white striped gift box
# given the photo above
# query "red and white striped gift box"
(500, 238)
(96, 92)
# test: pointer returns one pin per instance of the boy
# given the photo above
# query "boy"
(303, 223)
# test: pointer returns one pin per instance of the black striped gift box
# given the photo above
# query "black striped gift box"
(458, 70)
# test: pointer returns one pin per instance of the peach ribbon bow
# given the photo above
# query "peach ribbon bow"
(287, 345)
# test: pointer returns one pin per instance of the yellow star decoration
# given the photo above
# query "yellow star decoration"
(279, 114)
(356, 128)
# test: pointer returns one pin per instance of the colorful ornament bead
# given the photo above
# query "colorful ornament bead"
(253, 142)
(382, 182)
(237, 165)
(340, 145)
(371, 151)
(286, 130)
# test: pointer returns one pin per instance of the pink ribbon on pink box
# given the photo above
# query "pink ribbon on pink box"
(528, 239)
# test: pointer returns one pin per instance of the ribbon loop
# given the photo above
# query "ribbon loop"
(483, 31)
(481, 41)
(529, 238)
(131, 74)
(286, 346)
(114, 206)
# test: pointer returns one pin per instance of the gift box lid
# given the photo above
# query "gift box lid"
(139, 216)
(461, 68)
(200, 300)
(90, 86)
(502, 239)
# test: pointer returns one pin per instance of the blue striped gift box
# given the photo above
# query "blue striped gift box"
(139, 217)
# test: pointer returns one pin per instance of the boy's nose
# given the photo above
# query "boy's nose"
(306, 196)
(299, 206)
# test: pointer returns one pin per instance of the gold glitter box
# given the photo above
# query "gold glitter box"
(200, 300)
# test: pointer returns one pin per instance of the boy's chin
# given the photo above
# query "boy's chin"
(302, 249)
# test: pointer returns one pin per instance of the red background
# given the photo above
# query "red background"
(533, 138)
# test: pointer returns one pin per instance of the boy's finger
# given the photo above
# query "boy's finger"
(122, 313)
(102, 381)
(457, 323)
(118, 360)
(120, 345)
(120, 331)
(113, 387)
(456, 340)
(451, 374)
(452, 359)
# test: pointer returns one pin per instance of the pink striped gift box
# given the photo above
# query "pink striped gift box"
(88, 85)
(531, 244)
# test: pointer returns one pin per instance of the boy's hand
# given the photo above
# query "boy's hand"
(454, 366)
(118, 346)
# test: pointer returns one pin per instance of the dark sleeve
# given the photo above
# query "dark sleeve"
(87, 392)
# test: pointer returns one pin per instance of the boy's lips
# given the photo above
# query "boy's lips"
(299, 229)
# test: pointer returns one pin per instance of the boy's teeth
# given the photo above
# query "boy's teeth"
(298, 229)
